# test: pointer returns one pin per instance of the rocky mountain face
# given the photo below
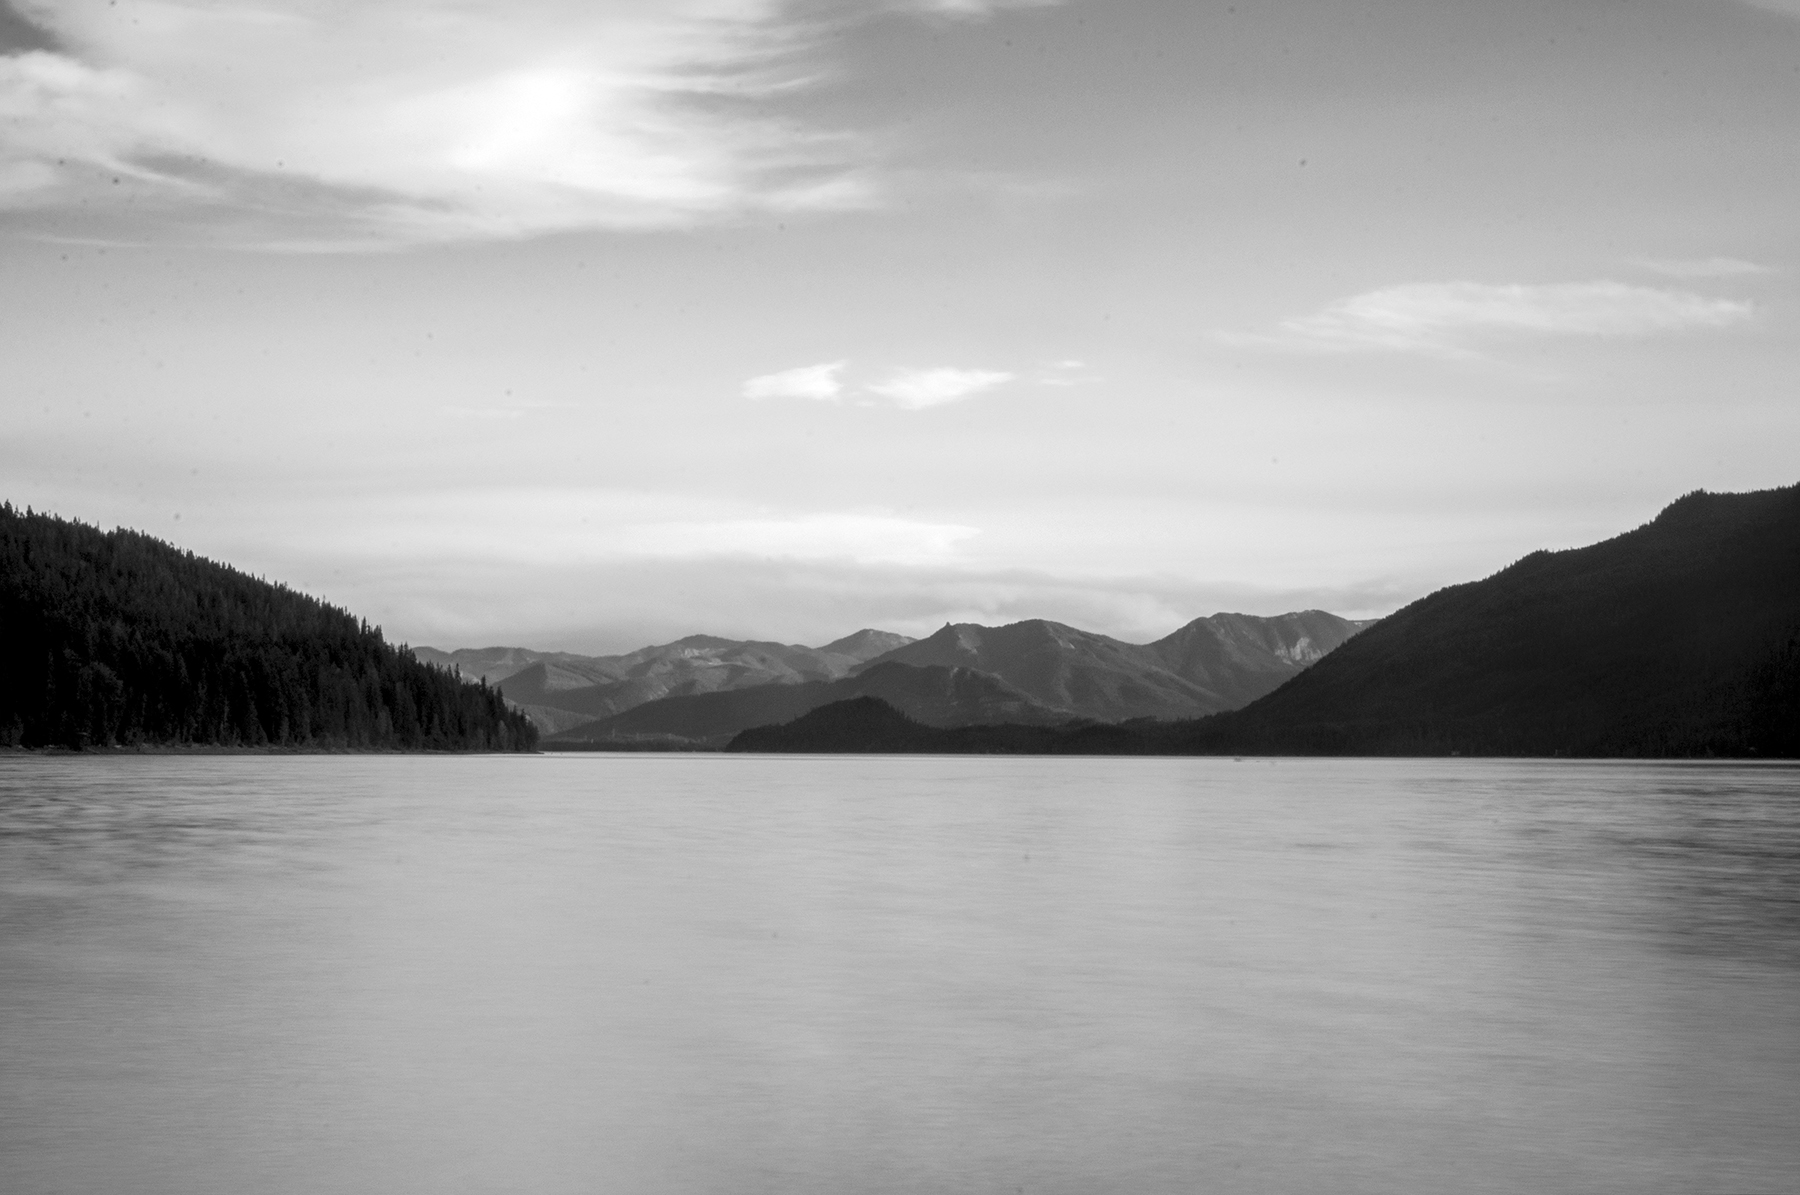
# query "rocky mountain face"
(559, 690)
(932, 695)
(1209, 665)
(1241, 657)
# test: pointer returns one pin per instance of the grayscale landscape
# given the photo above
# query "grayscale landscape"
(808, 597)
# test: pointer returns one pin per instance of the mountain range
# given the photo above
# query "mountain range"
(1042, 672)
(560, 690)
(933, 695)
(1209, 665)
(1678, 639)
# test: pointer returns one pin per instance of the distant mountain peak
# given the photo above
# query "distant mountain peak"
(706, 642)
(866, 644)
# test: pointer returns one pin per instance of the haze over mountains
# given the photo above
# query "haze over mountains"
(1679, 638)
(932, 695)
(559, 690)
(1037, 672)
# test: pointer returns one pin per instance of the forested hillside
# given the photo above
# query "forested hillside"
(118, 638)
(1680, 638)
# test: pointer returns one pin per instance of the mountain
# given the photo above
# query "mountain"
(490, 664)
(869, 724)
(1679, 638)
(860, 725)
(560, 690)
(1241, 657)
(866, 645)
(115, 638)
(1209, 665)
(933, 695)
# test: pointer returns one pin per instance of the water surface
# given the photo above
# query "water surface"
(774, 974)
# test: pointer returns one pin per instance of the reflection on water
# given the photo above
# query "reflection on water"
(710, 974)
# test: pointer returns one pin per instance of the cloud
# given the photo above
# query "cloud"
(305, 122)
(1445, 318)
(860, 538)
(1703, 267)
(550, 525)
(981, 8)
(913, 389)
(916, 389)
(1071, 372)
(818, 382)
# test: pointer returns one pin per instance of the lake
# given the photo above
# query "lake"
(681, 973)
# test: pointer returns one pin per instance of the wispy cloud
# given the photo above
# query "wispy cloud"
(305, 121)
(862, 538)
(552, 525)
(817, 382)
(1071, 372)
(916, 389)
(1453, 318)
(975, 8)
(912, 389)
(1702, 267)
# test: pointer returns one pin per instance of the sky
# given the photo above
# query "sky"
(586, 324)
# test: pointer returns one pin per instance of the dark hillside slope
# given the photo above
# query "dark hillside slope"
(118, 638)
(869, 725)
(1679, 638)
(860, 725)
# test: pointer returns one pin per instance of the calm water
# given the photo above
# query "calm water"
(725, 974)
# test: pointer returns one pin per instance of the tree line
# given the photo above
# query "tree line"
(117, 638)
